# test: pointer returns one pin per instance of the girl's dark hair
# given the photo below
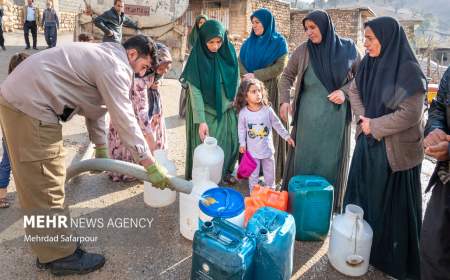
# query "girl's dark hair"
(85, 37)
(241, 96)
(16, 60)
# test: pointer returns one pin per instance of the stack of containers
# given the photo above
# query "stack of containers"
(260, 197)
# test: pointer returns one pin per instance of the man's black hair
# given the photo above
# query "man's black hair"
(144, 46)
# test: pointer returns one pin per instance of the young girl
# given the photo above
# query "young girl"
(256, 120)
(5, 166)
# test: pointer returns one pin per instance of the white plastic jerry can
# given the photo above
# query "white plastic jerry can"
(350, 242)
(189, 210)
(155, 197)
(210, 155)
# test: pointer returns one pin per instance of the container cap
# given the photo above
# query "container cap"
(229, 203)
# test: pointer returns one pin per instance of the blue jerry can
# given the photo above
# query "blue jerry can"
(274, 231)
(222, 250)
(311, 204)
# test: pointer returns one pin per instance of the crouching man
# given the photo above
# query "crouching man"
(51, 87)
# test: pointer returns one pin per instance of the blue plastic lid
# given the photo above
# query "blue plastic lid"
(229, 203)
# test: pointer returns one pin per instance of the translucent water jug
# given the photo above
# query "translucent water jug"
(189, 210)
(155, 197)
(222, 250)
(311, 203)
(350, 242)
(274, 231)
(210, 155)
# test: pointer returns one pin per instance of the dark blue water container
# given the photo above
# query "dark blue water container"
(222, 250)
(311, 203)
(274, 231)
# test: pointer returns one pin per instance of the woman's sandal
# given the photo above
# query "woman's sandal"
(4, 203)
(230, 179)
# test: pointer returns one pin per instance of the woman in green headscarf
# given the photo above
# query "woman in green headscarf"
(199, 21)
(212, 75)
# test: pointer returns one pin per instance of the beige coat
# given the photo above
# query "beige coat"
(401, 130)
(37, 13)
(79, 78)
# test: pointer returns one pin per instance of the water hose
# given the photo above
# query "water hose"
(126, 168)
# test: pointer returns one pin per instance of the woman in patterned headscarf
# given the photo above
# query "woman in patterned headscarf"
(155, 112)
(147, 106)
(212, 76)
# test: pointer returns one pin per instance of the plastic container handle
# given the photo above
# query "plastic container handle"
(234, 230)
(313, 183)
(276, 220)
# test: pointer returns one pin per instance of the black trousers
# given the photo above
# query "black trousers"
(51, 35)
(435, 237)
(2, 40)
(30, 25)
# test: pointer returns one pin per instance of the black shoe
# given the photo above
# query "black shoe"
(27, 47)
(3, 48)
(80, 262)
(35, 48)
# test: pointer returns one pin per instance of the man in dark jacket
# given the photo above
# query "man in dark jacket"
(111, 21)
(435, 237)
(2, 40)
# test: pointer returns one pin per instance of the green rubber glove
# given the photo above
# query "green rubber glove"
(158, 176)
(101, 152)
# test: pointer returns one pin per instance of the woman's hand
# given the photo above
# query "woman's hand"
(155, 85)
(434, 137)
(337, 97)
(439, 151)
(242, 150)
(365, 125)
(285, 111)
(291, 142)
(203, 131)
(151, 142)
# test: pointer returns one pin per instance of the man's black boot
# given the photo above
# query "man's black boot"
(80, 262)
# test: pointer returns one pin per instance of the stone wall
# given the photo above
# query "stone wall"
(348, 23)
(240, 25)
(13, 10)
(280, 10)
(237, 14)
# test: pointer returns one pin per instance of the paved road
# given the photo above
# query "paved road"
(158, 252)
